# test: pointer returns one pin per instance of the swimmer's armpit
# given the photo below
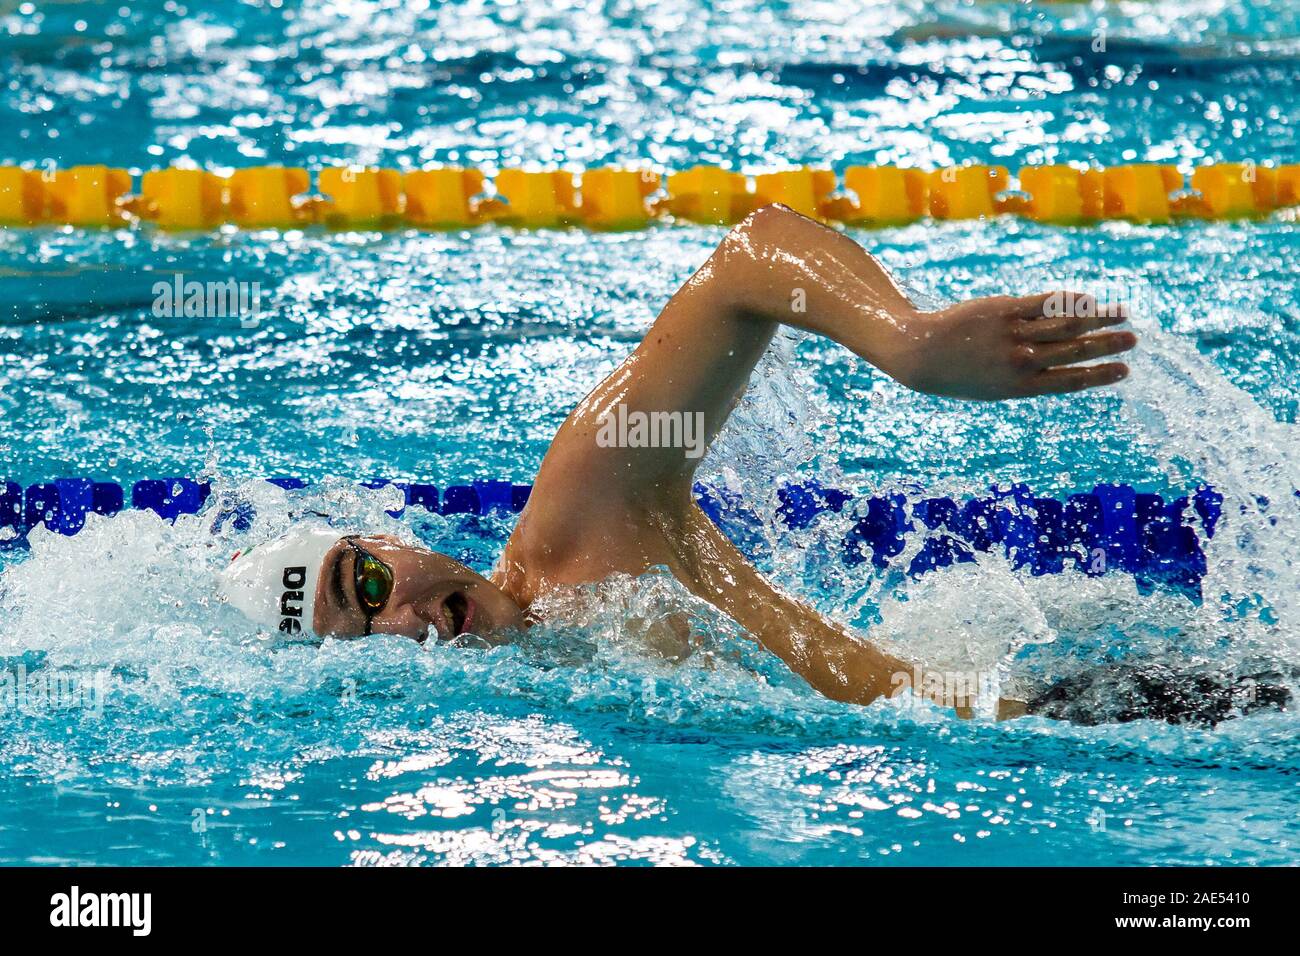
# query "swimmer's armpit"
(779, 267)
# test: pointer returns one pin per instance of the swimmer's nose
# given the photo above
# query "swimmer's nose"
(408, 620)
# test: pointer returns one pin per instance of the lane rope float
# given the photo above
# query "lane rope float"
(351, 197)
(1114, 527)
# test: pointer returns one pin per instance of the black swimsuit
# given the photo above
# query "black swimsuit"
(1117, 693)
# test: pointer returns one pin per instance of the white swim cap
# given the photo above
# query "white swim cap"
(274, 584)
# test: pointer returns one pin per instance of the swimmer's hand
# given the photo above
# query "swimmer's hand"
(1004, 347)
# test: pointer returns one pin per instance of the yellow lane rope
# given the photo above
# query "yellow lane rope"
(264, 197)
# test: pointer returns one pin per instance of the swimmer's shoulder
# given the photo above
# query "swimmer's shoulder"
(558, 547)
(544, 551)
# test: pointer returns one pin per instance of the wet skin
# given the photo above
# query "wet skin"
(433, 596)
(597, 511)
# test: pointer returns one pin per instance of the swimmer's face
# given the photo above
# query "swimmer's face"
(374, 584)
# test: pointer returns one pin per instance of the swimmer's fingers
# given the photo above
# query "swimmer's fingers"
(1058, 381)
(1083, 349)
(1060, 316)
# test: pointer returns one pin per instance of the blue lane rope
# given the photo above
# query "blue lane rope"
(1112, 528)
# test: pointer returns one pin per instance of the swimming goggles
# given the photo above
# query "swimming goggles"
(372, 581)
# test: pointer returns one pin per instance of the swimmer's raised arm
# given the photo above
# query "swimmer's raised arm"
(611, 499)
(781, 268)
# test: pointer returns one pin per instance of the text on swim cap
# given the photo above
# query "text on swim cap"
(293, 581)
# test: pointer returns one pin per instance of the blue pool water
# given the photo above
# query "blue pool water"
(455, 356)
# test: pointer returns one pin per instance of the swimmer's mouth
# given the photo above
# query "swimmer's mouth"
(459, 610)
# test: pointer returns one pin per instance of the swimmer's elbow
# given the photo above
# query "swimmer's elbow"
(768, 227)
(751, 262)
(775, 242)
(764, 216)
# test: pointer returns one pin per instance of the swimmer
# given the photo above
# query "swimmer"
(597, 509)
